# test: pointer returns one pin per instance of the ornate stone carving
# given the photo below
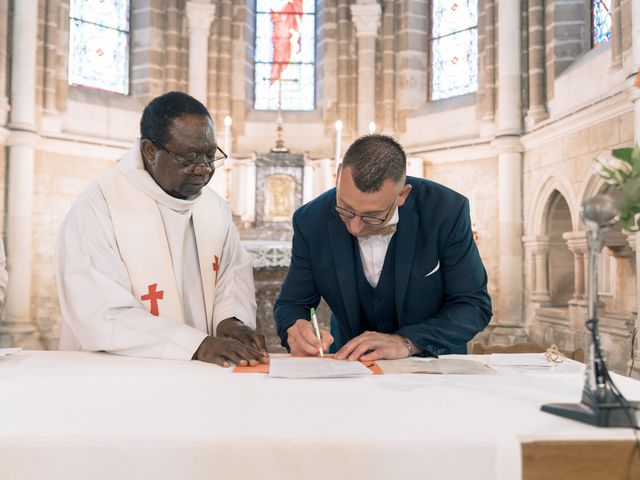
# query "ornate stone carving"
(366, 18)
(279, 198)
(268, 254)
(200, 16)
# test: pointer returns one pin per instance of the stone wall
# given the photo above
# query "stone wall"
(558, 162)
(58, 181)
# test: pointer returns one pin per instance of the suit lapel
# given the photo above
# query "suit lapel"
(405, 247)
(342, 249)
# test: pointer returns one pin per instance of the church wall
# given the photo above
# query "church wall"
(59, 179)
(476, 179)
(590, 114)
(441, 122)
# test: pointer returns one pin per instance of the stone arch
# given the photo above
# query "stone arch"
(557, 220)
(553, 181)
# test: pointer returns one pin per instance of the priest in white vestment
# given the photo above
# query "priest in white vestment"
(149, 263)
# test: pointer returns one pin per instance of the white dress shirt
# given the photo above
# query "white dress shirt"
(373, 249)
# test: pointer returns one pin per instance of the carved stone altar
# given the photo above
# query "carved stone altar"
(279, 180)
(279, 192)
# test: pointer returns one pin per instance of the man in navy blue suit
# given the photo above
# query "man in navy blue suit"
(394, 258)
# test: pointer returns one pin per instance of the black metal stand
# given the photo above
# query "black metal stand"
(606, 413)
(602, 403)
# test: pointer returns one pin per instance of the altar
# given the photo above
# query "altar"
(101, 416)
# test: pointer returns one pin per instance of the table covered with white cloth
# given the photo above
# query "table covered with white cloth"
(73, 415)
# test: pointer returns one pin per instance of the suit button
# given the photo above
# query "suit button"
(376, 299)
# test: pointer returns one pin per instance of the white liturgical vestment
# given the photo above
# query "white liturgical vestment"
(142, 273)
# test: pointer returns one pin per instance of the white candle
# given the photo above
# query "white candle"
(228, 162)
(338, 141)
(372, 128)
(227, 138)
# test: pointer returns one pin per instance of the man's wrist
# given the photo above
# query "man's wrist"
(408, 345)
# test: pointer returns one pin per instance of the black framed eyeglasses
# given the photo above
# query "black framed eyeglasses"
(189, 161)
(369, 220)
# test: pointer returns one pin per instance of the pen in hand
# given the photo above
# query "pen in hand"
(316, 329)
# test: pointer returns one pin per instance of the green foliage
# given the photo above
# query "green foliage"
(623, 171)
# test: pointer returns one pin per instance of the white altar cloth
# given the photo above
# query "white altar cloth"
(75, 415)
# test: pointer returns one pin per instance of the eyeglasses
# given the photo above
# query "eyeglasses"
(189, 161)
(369, 220)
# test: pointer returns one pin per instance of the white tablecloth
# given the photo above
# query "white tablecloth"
(71, 415)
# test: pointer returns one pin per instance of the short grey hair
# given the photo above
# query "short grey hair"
(373, 160)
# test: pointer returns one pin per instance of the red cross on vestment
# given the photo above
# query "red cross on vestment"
(216, 266)
(153, 296)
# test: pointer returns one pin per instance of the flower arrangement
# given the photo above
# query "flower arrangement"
(622, 169)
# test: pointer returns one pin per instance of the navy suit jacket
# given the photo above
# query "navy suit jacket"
(440, 283)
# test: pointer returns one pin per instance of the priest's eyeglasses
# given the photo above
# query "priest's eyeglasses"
(189, 161)
(369, 220)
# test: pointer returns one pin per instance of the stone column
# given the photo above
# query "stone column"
(50, 120)
(19, 328)
(199, 16)
(509, 322)
(4, 29)
(540, 251)
(537, 110)
(487, 74)
(325, 175)
(616, 242)
(635, 95)
(172, 45)
(577, 243)
(366, 17)
(415, 167)
(388, 67)
(245, 172)
(343, 63)
(631, 241)
(635, 50)
(308, 193)
(224, 67)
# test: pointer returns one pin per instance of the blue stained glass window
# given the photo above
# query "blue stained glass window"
(600, 22)
(454, 48)
(99, 44)
(285, 55)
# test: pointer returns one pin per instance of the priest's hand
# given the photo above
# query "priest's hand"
(303, 342)
(224, 351)
(376, 346)
(234, 328)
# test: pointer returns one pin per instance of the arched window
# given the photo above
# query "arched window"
(285, 55)
(454, 48)
(99, 44)
(600, 22)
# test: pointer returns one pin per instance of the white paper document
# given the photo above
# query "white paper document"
(535, 360)
(9, 351)
(442, 365)
(293, 367)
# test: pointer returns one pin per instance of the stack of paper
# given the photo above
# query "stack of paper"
(442, 365)
(529, 360)
(295, 367)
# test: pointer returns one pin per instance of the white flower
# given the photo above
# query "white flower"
(614, 170)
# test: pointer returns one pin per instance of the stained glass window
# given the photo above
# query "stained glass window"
(285, 55)
(454, 48)
(99, 44)
(600, 22)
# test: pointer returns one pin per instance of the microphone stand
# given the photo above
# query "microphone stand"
(602, 403)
